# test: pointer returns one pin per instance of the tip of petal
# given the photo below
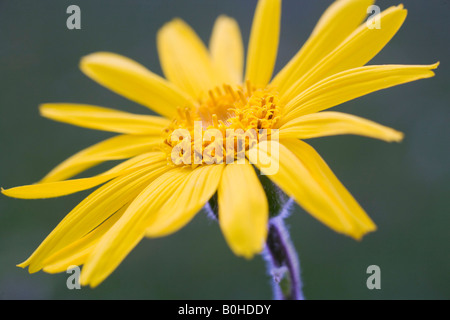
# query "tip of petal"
(92, 57)
(22, 265)
(358, 234)
(224, 17)
(8, 193)
(434, 65)
(400, 8)
(45, 109)
(26, 264)
(245, 250)
(89, 281)
(98, 55)
(431, 67)
(248, 255)
(396, 136)
(92, 60)
(175, 22)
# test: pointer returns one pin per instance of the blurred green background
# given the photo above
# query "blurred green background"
(404, 187)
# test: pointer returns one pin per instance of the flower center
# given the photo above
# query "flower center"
(223, 126)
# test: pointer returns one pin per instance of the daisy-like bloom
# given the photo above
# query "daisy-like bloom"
(150, 194)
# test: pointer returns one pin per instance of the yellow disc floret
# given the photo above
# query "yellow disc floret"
(222, 126)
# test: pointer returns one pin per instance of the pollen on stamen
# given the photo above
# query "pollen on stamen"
(211, 95)
(215, 121)
(187, 112)
(236, 108)
(242, 96)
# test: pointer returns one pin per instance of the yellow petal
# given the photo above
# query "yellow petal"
(197, 188)
(355, 51)
(263, 43)
(243, 210)
(56, 189)
(227, 51)
(66, 187)
(349, 208)
(93, 211)
(115, 148)
(185, 60)
(130, 229)
(77, 252)
(329, 123)
(337, 22)
(351, 84)
(135, 82)
(106, 119)
(304, 176)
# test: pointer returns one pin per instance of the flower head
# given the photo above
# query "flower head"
(220, 126)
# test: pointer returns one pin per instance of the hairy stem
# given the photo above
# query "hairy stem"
(282, 262)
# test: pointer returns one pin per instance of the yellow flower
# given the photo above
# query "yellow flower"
(150, 195)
